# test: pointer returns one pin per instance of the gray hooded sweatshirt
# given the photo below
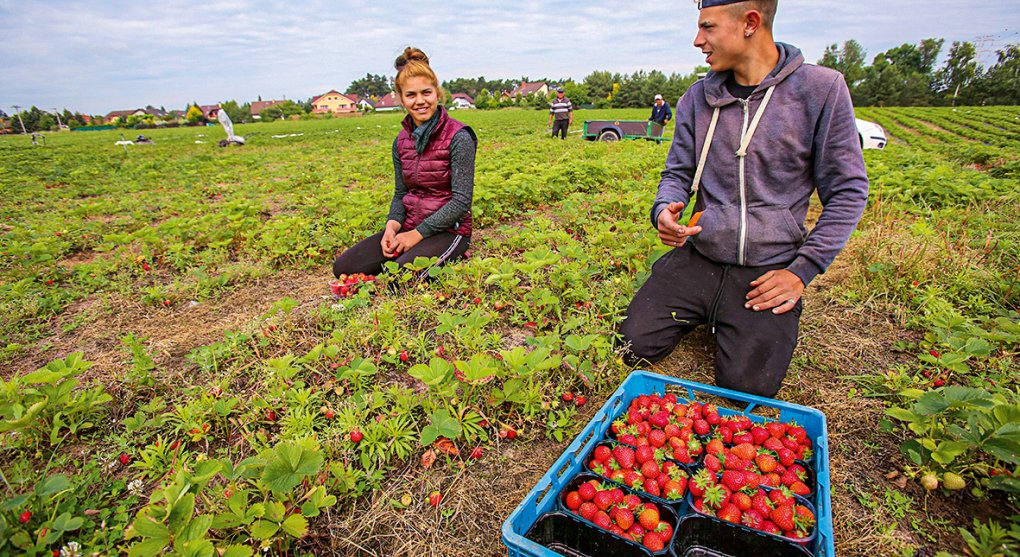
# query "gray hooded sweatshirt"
(754, 209)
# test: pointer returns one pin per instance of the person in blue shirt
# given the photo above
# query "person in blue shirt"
(661, 113)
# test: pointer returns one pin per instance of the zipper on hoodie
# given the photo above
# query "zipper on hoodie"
(744, 103)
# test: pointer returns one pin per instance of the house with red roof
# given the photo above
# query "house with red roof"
(461, 100)
(333, 102)
(525, 89)
(389, 102)
(258, 106)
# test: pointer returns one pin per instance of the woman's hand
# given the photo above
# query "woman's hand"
(404, 241)
(388, 239)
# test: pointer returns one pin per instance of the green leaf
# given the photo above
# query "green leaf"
(435, 374)
(237, 551)
(1004, 444)
(443, 425)
(930, 403)
(264, 529)
(51, 485)
(148, 548)
(146, 526)
(196, 548)
(65, 523)
(289, 464)
(947, 451)
(902, 414)
(180, 513)
(197, 528)
(295, 525)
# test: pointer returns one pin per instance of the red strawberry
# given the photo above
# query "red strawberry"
(587, 510)
(770, 527)
(659, 420)
(701, 427)
(652, 487)
(476, 453)
(435, 498)
(734, 480)
(786, 456)
(649, 518)
(664, 530)
(804, 518)
(580, 400)
(702, 480)
(124, 459)
(404, 355)
(780, 497)
(745, 451)
(725, 433)
(624, 456)
(730, 513)
(752, 519)
(760, 434)
(761, 503)
(25, 517)
(741, 500)
(743, 437)
(650, 469)
(782, 516)
(356, 435)
(712, 463)
(776, 429)
(603, 453)
(623, 517)
(773, 444)
(766, 463)
(603, 500)
(631, 501)
(797, 432)
(800, 488)
(683, 455)
(715, 446)
(653, 541)
(568, 396)
(601, 519)
(636, 533)
(673, 489)
(644, 453)
(573, 501)
(657, 438)
(271, 415)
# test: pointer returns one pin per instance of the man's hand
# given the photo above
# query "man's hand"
(775, 290)
(671, 232)
(389, 235)
(406, 240)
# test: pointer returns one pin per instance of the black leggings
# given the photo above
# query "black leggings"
(686, 289)
(367, 257)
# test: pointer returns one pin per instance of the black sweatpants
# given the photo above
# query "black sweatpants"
(560, 127)
(367, 257)
(686, 289)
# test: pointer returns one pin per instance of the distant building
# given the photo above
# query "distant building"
(333, 102)
(258, 106)
(209, 111)
(389, 102)
(153, 111)
(525, 89)
(118, 115)
(462, 100)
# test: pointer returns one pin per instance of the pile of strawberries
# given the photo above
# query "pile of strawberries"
(625, 515)
(346, 285)
(737, 498)
(644, 469)
(758, 466)
(779, 437)
(662, 421)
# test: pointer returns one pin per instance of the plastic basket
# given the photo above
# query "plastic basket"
(566, 535)
(543, 496)
(698, 536)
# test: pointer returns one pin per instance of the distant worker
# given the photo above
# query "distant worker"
(661, 113)
(434, 174)
(754, 139)
(561, 114)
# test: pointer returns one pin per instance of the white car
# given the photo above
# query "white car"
(872, 135)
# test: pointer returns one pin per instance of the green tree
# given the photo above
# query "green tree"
(848, 60)
(1000, 84)
(600, 84)
(194, 114)
(369, 85)
(958, 72)
(282, 110)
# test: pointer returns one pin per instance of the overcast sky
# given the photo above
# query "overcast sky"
(96, 56)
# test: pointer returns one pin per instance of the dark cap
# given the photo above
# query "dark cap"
(712, 3)
(559, 89)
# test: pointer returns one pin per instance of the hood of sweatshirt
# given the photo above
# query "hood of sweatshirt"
(716, 94)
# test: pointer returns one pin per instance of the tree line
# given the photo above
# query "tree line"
(907, 75)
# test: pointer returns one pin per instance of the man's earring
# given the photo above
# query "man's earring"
(748, 34)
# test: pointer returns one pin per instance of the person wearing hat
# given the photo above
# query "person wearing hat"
(661, 113)
(561, 114)
(754, 139)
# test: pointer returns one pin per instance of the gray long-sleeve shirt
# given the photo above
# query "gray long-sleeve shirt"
(754, 209)
(462, 183)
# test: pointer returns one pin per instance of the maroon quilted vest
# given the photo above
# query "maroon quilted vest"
(427, 176)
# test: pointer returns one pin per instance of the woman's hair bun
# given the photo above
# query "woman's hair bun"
(410, 54)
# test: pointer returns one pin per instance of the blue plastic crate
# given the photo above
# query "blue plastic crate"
(542, 497)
